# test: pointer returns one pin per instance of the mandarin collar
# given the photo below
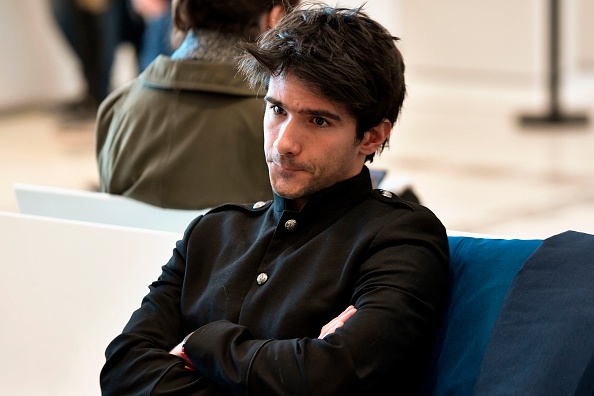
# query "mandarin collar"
(342, 194)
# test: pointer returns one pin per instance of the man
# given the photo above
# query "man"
(251, 300)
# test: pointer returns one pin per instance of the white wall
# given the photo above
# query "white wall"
(505, 40)
(37, 65)
(474, 38)
(465, 40)
(585, 35)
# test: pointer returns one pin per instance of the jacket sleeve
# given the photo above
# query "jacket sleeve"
(399, 296)
(138, 361)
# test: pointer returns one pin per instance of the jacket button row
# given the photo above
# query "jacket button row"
(262, 278)
(290, 225)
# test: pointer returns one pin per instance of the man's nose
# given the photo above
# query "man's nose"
(287, 141)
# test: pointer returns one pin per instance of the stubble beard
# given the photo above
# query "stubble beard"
(289, 185)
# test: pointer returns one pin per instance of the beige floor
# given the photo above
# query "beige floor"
(469, 158)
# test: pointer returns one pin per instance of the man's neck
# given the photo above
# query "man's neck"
(295, 204)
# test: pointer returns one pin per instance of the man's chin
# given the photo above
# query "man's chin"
(288, 189)
(286, 193)
(294, 186)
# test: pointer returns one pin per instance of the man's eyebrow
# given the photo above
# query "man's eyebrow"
(312, 112)
(270, 99)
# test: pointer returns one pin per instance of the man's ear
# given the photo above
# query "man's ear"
(375, 137)
(272, 17)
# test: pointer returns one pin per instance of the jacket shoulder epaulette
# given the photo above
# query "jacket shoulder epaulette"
(252, 208)
(391, 198)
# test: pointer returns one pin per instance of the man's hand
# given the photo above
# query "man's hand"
(176, 350)
(338, 321)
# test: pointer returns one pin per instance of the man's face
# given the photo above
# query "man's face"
(309, 142)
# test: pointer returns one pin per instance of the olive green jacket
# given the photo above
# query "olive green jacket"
(183, 135)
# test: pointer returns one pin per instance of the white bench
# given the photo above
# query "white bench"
(100, 208)
(68, 288)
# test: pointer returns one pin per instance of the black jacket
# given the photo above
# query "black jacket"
(348, 245)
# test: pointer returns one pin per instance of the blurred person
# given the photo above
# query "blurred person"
(156, 38)
(82, 24)
(94, 29)
(187, 133)
(333, 288)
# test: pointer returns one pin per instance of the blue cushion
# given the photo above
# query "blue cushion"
(481, 272)
(541, 343)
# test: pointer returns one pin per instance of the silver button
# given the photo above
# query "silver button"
(259, 204)
(291, 224)
(387, 194)
(262, 278)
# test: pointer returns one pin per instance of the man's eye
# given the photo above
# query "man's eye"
(319, 121)
(278, 109)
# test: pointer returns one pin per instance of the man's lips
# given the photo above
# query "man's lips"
(288, 167)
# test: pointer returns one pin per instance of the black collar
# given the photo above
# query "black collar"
(343, 194)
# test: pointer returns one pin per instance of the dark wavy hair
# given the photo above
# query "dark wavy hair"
(339, 53)
(229, 16)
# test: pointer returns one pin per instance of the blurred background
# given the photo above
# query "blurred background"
(475, 72)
